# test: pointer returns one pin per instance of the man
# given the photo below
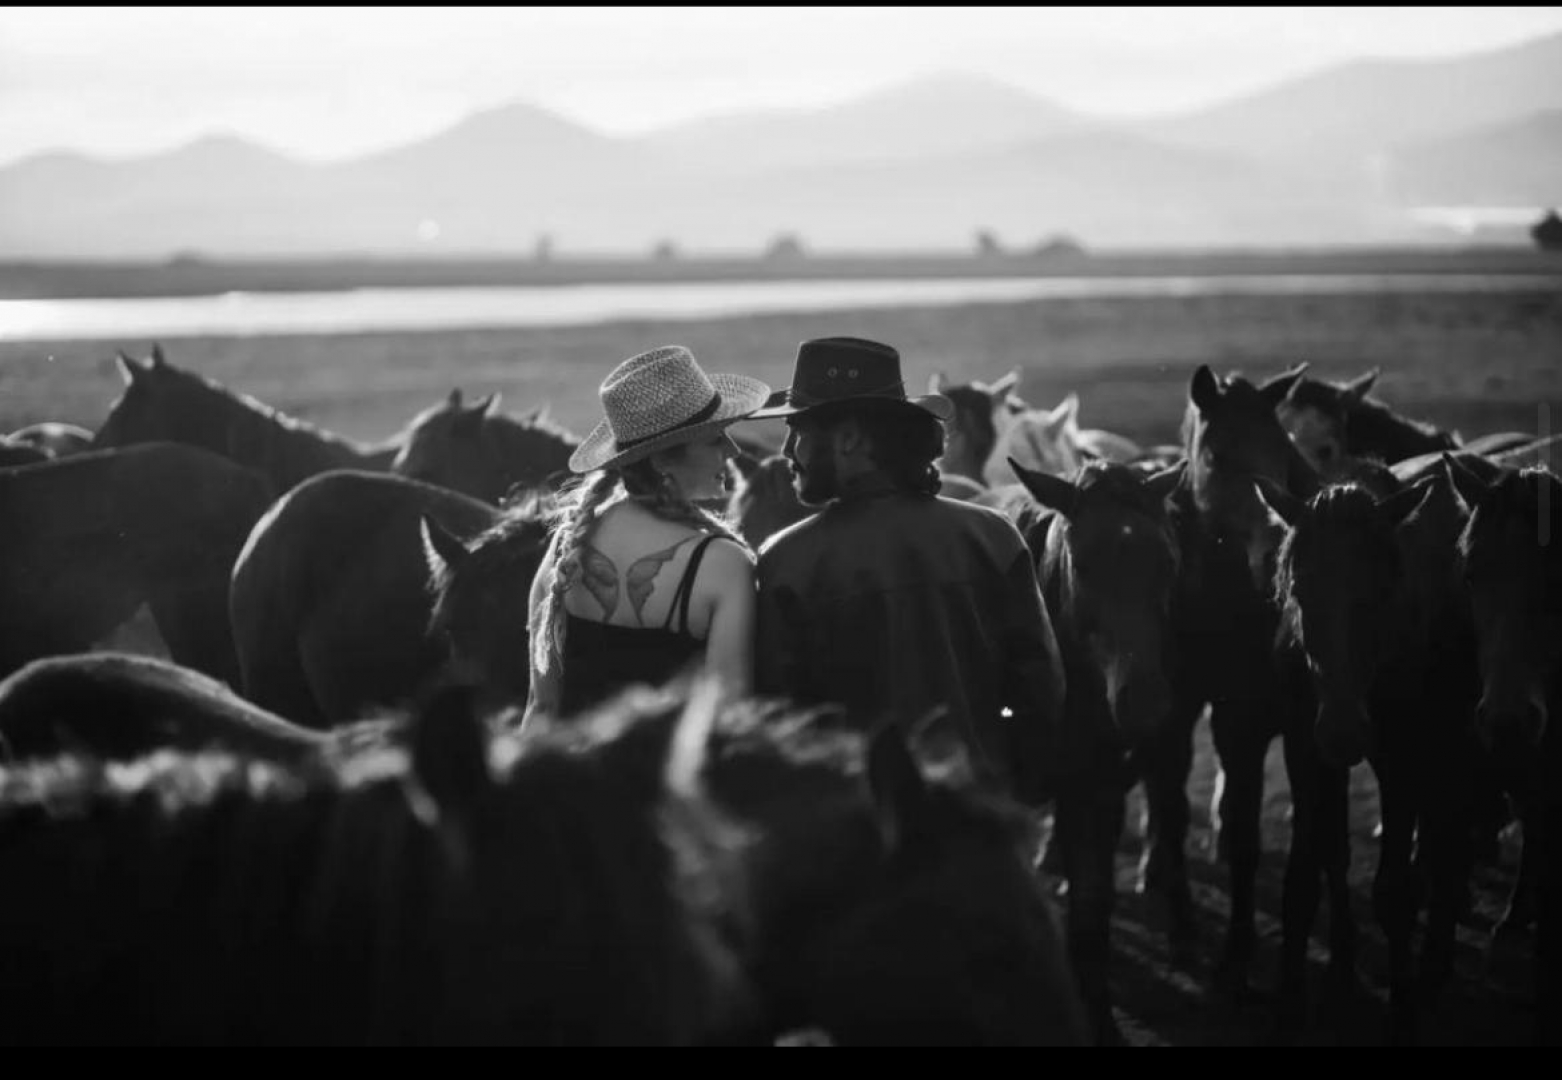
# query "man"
(892, 600)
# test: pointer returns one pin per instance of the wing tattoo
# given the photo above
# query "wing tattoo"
(600, 577)
(642, 577)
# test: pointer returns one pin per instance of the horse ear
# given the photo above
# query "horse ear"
(1277, 389)
(454, 400)
(1466, 483)
(1163, 483)
(443, 551)
(157, 356)
(491, 407)
(1287, 507)
(1005, 385)
(896, 787)
(128, 368)
(449, 745)
(687, 750)
(1204, 389)
(936, 382)
(1050, 491)
(1402, 504)
(1357, 388)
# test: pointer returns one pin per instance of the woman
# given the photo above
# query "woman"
(639, 581)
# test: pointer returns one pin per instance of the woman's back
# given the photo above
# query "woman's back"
(639, 610)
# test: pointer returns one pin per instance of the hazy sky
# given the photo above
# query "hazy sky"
(331, 82)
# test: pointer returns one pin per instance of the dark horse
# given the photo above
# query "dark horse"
(1333, 421)
(90, 538)
(480, 591)
(766, 502)
(481, 452)
(120, 706)
(980, 408)
(1224, 628)
(892, 900)
(572, 890)
(330, 604)
(1511, 559)
(1107, 559)
(1370, 593)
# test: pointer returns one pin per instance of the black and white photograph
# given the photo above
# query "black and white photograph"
(780, 526)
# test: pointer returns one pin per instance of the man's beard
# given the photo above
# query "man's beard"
(816, 485)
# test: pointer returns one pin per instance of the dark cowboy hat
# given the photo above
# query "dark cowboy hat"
(837, 369)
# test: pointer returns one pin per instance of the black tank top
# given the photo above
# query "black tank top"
(600, 659)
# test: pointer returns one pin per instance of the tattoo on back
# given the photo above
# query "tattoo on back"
(600, 575)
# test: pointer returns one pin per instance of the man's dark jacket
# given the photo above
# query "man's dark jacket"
(893, 603)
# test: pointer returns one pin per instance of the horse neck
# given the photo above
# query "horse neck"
(290, 451)
(1375, 430)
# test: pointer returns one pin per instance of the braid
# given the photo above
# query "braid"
(577, 514)
(646, 487)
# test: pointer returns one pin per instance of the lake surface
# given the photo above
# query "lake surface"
(404, 309)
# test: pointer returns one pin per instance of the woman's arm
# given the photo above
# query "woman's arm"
(729, 648)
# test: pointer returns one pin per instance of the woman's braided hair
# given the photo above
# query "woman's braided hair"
(576, 515)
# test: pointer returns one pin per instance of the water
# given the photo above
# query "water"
(368, 310)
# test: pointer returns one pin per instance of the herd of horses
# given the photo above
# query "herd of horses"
(316, 822)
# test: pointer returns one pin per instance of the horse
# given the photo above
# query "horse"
(90, 538)
(765, 502)
(983, 412)
(13, 453)
(1051, 441)
(162, 403)
(481, 598)
(444, 887)
(54, 438)
(1333, 420)
(1370, 592)
(892, 898)
(482, 452)
(1224, 626)
(121, 706)
(1107, 560)
(1509, 558)
(329, 600)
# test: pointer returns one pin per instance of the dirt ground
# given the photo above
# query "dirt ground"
(1160, 1003)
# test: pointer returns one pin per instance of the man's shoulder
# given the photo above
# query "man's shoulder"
(798, 535)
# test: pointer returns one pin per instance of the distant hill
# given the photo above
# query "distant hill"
(1351, 112)
(1336, 158)
(1516, 163)
(943, 114)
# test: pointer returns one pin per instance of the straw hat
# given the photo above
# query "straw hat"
(659, 399)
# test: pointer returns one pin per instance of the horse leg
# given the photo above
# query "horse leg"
(1089, 823)
(1301, 892)
(1242, 733)
(1334, 849)
(1164, 764)
(1392, 901)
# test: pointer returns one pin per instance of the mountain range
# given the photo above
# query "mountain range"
(1345, 156)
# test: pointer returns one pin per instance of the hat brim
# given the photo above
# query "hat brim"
(778, 406)
(740, 396)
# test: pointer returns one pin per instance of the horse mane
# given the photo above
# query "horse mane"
(1372, 427)
(216, 898)
(518, 537)
(1521, 495)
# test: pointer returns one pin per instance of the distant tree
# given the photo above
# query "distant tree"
(786, 246)
(1060, 244)
(987, 245)
(665, 251)
(544, 249)
(1547, 232)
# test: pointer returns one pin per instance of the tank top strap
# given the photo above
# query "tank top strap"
(685, 590)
